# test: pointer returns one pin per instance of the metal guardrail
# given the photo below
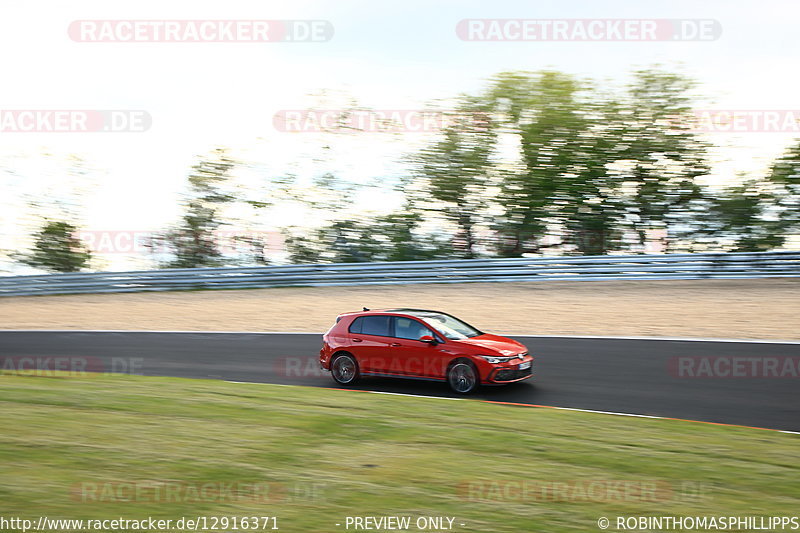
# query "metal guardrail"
(570, 268)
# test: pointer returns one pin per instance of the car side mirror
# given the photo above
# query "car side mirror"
(428, 339)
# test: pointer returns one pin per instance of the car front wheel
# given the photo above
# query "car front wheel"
(344, 369)
(462, 377)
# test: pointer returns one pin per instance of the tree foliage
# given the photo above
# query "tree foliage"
(596, 167)
(455, 174)
(392, 237)
(596, 170)
(534, 162)
(193, 242)
(57, 248)
(784, 177)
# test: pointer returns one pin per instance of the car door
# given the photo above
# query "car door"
(412, 357)
(370, 342)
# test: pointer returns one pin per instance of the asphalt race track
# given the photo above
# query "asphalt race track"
(620, 375)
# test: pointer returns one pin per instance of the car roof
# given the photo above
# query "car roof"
(401, 311)
(416, 312)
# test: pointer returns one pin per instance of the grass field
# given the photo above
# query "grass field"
(326, 454)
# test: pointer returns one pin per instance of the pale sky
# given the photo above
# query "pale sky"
(384, 55)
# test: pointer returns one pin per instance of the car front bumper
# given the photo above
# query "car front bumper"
(503, 375)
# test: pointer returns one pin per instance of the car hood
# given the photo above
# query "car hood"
(494, 344)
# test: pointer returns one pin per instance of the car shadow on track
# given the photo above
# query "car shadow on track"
(522, 392)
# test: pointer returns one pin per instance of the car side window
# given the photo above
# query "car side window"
(375, 325)
(408, 328)
(355, 327)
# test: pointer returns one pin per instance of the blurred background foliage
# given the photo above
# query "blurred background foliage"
(536, 163)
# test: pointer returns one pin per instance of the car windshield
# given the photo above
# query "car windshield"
(449, 326)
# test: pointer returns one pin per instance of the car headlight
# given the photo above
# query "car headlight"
(494, 359)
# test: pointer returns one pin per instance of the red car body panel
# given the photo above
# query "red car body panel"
(412, 358)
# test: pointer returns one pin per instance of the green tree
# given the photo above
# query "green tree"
(567, 135)
(56, 248)
(343, 241)
(735, 219)
(784, 178)
(400, 239)
(340, 239)
(193, 242)
(759, 214)
(392, 237)
(663, 158)
(453, 175)
(595, 166)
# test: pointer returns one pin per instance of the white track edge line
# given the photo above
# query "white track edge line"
(613, 413)
(608, 337)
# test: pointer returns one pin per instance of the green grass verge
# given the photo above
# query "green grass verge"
(340, 453)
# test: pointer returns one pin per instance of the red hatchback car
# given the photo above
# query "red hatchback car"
(420, 344)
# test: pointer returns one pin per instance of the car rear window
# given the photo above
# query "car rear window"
(371, 325)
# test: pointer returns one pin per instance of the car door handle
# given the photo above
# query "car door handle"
(395, 344)
(356, 340)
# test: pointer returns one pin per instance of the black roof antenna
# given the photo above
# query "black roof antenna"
(366, 309)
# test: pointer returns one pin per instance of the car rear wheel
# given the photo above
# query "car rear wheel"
(462, 377)
(344, 369)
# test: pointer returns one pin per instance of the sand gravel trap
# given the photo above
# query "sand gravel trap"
(758, 309)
